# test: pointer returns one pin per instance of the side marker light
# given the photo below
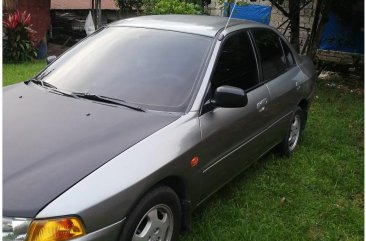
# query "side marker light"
(194, 161)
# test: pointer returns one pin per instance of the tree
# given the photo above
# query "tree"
(171, 7)
(320, 18)
(130, 5)
(227, 3)
(293, 14)
(290, 9)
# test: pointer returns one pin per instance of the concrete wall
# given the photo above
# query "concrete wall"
(341, 58)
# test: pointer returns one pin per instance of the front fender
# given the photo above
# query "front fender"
(108, 194)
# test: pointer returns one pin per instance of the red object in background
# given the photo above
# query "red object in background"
(40, 16)
(12, 21)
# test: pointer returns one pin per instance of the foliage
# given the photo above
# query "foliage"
(149, 5)
(18, 38)
(225, 7)
(239, 2)
(129, 5)
(171, 7)
(199, 2)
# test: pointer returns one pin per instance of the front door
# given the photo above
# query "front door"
(231, 137)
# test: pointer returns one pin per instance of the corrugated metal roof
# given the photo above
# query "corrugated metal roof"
(81, 4)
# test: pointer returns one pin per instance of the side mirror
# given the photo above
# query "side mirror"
(229, 97)
(50, 59)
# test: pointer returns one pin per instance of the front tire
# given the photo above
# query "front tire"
(291, 140)
(155, 218)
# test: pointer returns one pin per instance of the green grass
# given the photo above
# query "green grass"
(13, 73)
(317, 194)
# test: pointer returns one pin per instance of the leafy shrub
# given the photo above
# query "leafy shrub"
(171, 7)
(226, 3)
(130, 6)
(18, 37)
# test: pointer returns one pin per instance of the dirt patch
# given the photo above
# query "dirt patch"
(55, 49)
(358, 200)
(316, 233)
(345, 84)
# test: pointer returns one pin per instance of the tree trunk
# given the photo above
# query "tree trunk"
(314, 28)
(294, 15)
(228, 8)
(322, 9)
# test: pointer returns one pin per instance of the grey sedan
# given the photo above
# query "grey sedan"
(125, 134)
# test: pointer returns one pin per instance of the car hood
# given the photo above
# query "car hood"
(50, 142)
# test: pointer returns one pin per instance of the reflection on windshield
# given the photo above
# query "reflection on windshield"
(152, 68)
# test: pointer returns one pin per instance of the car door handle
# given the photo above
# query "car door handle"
(261, 105)
(298, 85)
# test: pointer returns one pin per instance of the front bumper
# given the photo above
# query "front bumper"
(16, 229)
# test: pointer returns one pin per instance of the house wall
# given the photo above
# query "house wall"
(40, 15)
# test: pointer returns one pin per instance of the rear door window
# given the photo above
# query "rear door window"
(290, 58)
(271, 54)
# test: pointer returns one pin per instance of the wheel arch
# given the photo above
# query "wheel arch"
(179, 186)
(304, 105)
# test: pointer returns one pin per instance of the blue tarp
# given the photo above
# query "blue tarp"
(257, 13)
(344, 37)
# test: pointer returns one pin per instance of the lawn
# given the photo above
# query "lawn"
(317, 194)
(13, 73)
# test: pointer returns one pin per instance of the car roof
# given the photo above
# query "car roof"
(194, 24)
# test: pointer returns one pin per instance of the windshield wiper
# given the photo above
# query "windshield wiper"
(51, 88)
(43, 83)
(105, 99)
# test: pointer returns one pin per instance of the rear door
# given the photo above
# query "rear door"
(232, 137)
(281, 75)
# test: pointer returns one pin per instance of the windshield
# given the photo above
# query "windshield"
(153, 68)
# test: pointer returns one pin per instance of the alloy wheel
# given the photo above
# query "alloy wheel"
(294, 133)
(155, 225)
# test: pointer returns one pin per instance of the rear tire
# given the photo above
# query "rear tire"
(289, 143)
(157, 217)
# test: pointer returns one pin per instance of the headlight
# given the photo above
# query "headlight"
(58, 229)
(15, 229)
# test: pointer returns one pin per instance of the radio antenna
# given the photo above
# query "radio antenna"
(232, 10)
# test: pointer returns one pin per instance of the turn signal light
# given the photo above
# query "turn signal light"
(60, 229)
